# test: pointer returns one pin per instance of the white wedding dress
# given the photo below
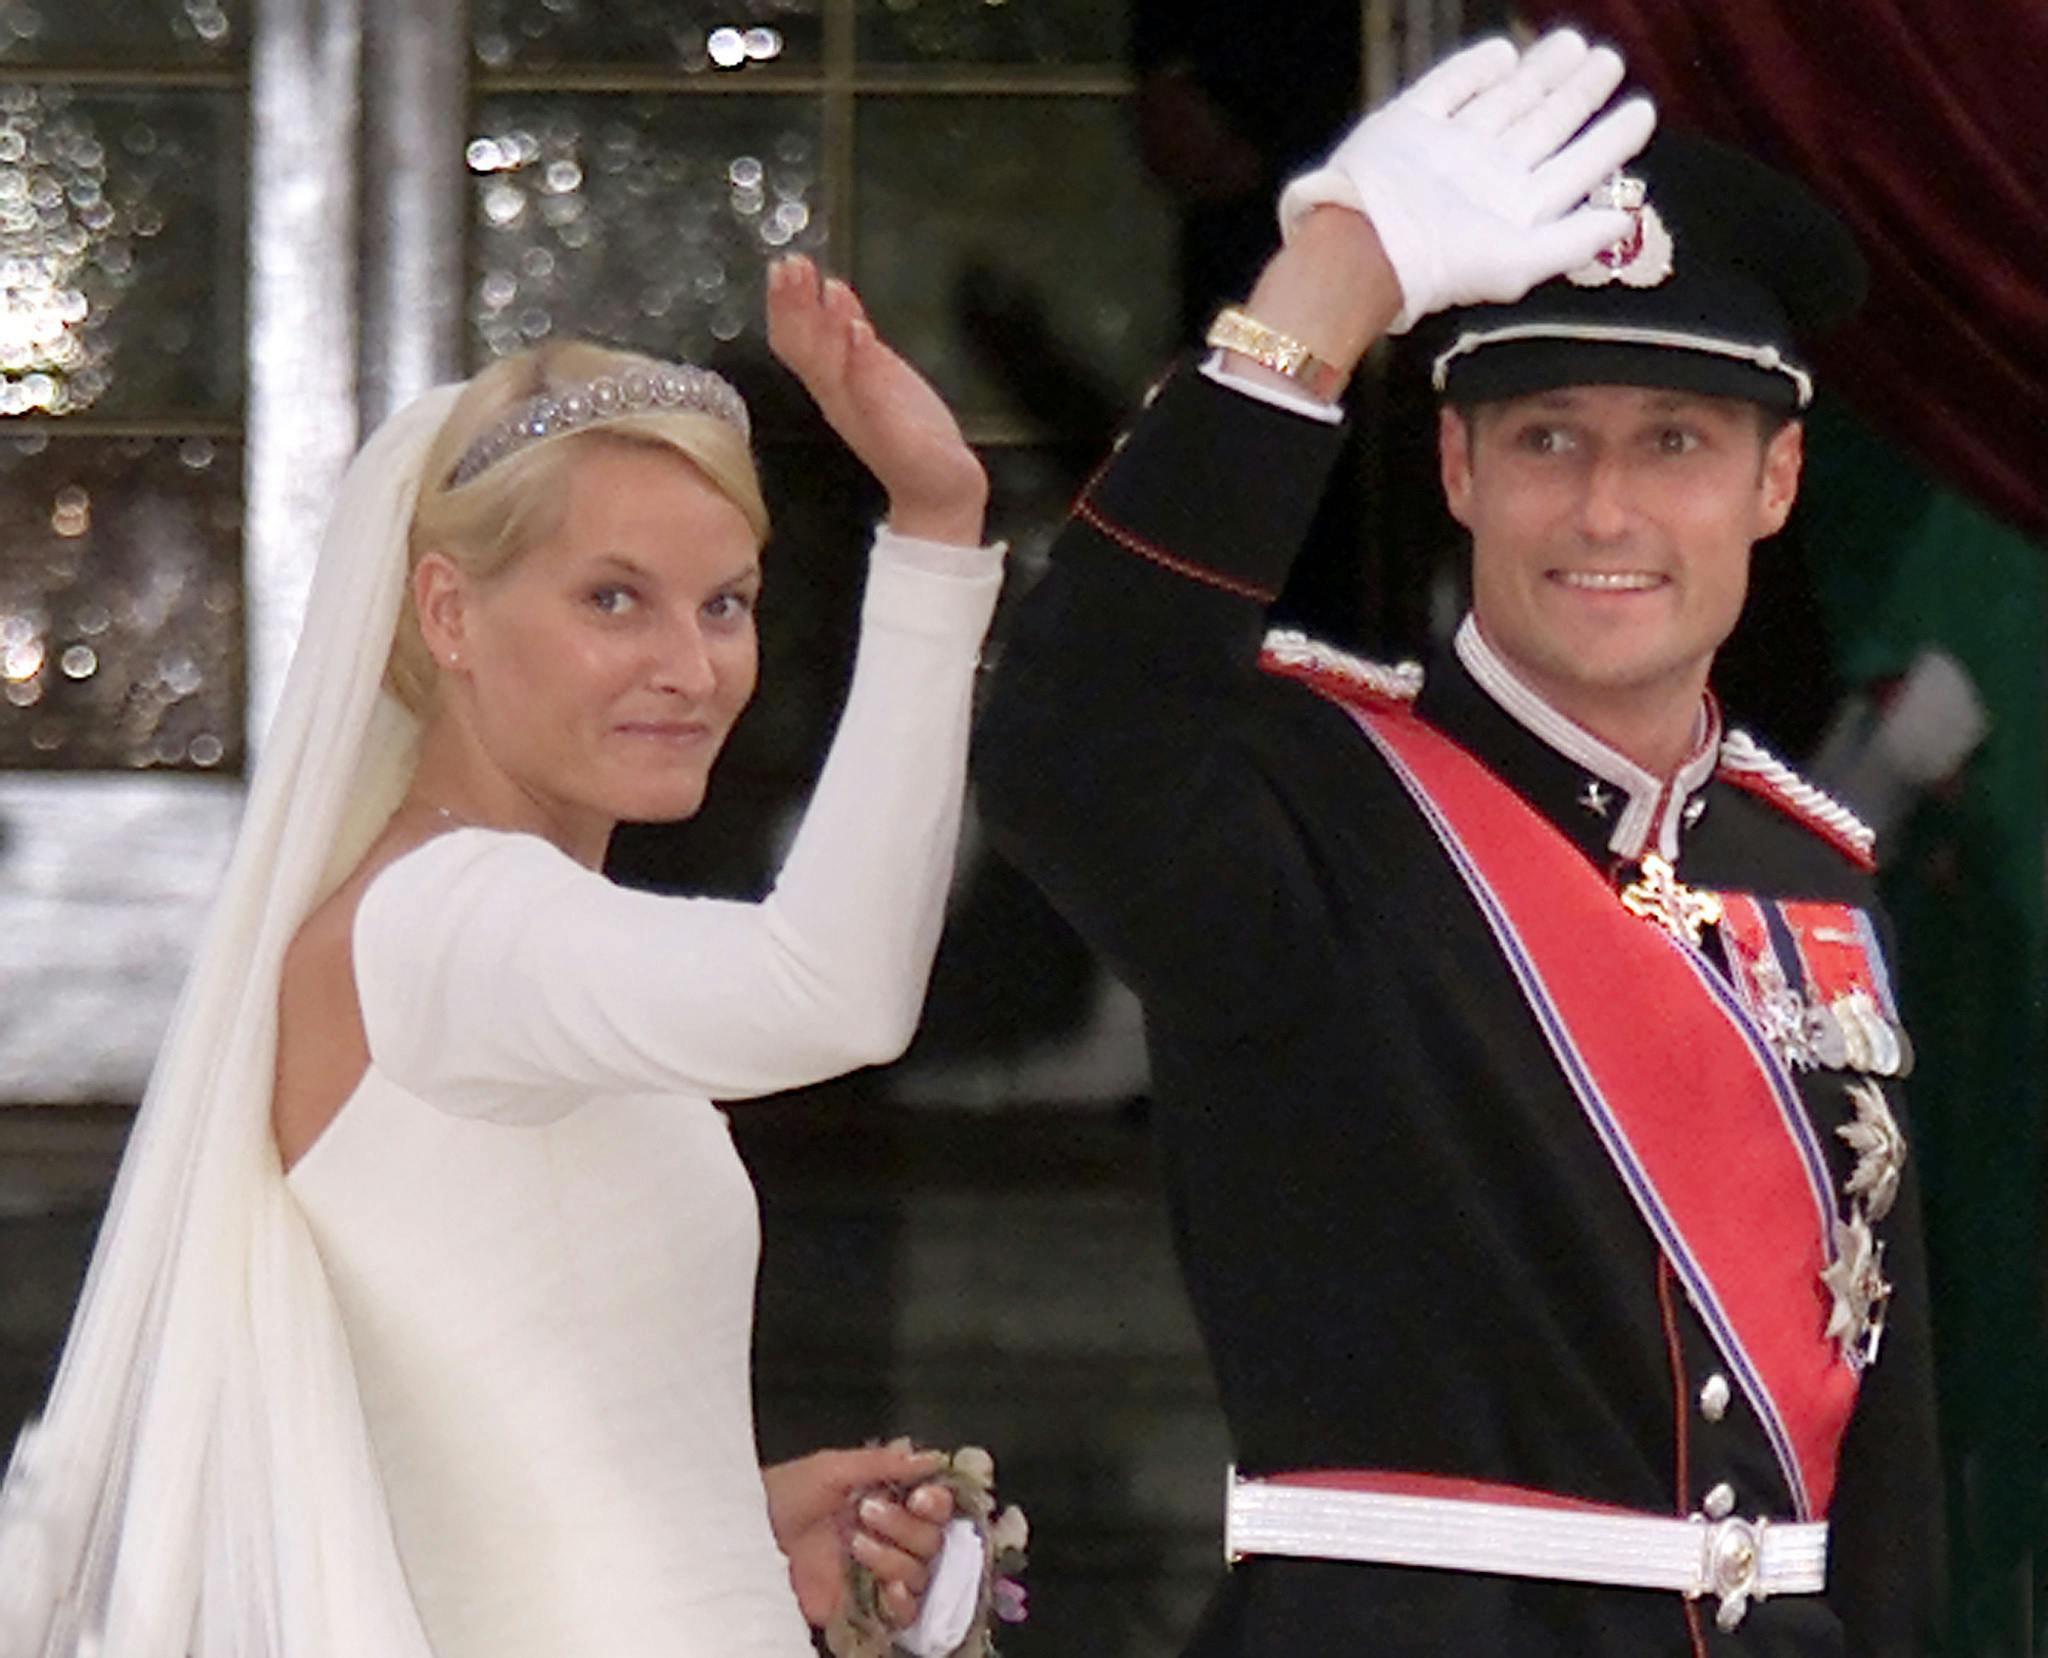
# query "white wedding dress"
(540, 1239)
(471, 1381)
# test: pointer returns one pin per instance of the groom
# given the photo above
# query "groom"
(1524, 1039)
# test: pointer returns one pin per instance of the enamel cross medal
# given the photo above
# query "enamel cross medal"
(1658, 895)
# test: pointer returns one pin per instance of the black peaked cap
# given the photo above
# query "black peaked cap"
(1759, 268)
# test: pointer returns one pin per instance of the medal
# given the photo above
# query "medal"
(1879, 1036)
(1782, 1016)
(1856, 1043)
(1858, 1289)
(1824, 1035)
(1879, 1147)
(1658, 895)
(1853, 1021)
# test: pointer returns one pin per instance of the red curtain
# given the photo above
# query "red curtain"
(1925, 124)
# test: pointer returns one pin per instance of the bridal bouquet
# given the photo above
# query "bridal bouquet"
(973, 1584)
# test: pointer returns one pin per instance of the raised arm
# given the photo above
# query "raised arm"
(1114, 760)
(881, 407)
(1110, 763)
(498, 976)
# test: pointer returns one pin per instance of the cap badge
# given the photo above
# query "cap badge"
(1642, 258)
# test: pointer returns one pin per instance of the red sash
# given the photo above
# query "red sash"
(1701, 1120)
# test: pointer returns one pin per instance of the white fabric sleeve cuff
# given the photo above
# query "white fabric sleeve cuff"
(932, 587)
(939, 558)
(1330, 414)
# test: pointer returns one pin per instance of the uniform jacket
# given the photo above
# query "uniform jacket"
(1403, 1243)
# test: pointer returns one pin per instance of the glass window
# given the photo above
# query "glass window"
(103, 33)
(640, 220)
(1006, 242)
(690, 36)
(120, 603)
(120, 252)
(969, 164)
(1065, 32)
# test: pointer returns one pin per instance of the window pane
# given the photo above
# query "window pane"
(1014, 250)
(978, 31)
(687, 36)
(120, 603)
(118, 32)
(120, 252)
(643, 221)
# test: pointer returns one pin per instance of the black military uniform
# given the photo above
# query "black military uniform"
(1406, 1248)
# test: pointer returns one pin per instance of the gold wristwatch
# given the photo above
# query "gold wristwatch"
(1239, 331)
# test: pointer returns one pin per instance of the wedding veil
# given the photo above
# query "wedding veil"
(201, 1481)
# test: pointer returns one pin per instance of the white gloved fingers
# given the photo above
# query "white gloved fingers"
(1555, 58)
(1570, 175)
(1565, 244)
(1547, 126)
(1462, 76)
(1544, 66)
(1465, 175)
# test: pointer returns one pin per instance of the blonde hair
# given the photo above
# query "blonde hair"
(486, 523)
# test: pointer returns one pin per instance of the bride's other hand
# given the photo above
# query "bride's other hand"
(884, 410)
(831, 1503)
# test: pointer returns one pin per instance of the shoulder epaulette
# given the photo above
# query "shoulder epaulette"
(1747, 764)
(1338, 674)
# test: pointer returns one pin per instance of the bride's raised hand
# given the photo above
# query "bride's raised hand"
(883, 409)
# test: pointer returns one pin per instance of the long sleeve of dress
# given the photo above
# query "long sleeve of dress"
(498, 977)
(1110, 762)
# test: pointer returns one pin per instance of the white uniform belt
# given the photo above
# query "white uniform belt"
(1737, 1560)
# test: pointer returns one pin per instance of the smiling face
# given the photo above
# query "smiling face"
(600, 672)
(1611, 532)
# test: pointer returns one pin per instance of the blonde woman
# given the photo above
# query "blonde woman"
(420, 1322)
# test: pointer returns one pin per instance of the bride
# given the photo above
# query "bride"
(419, 1324)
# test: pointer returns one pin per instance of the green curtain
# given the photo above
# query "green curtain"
(1900, 565)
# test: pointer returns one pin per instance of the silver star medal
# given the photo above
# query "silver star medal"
(1879, 1147)
(1856, 1282)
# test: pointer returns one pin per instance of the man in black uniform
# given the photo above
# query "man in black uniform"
(1525, 1047)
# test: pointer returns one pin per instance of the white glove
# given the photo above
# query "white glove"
(1472, 177)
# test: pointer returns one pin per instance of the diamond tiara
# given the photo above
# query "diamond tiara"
(681, 388)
